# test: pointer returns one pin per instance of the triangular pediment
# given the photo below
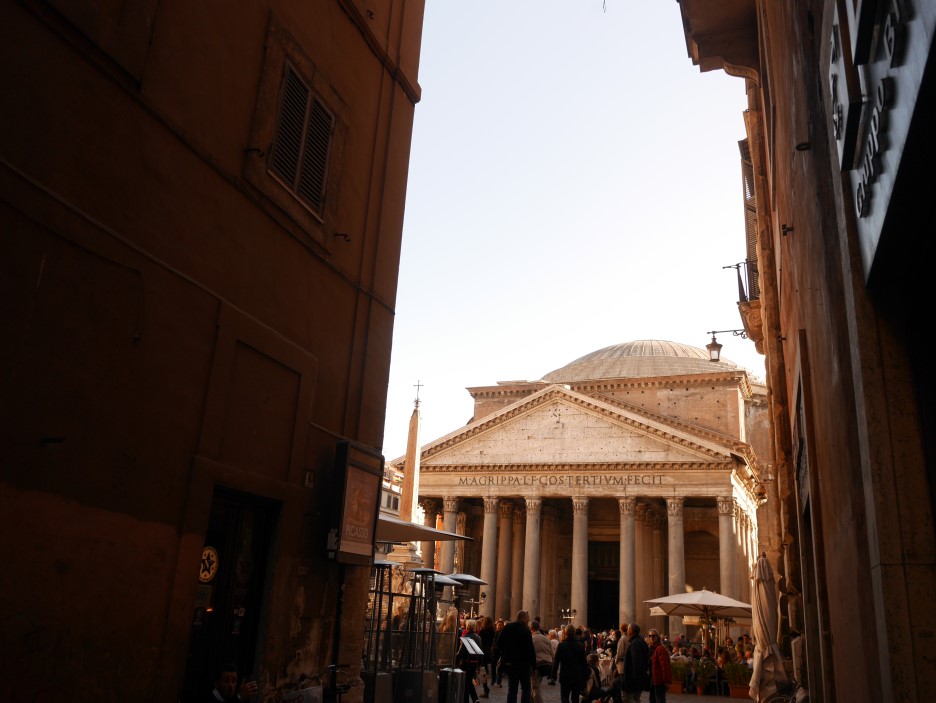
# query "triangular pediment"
(560, 426)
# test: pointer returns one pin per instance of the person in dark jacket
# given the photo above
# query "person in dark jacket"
(636, 665)
(518, 657)
(486, 632)
(467, 663)
(571, 665)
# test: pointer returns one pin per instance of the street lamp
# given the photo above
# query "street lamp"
(714, 348)
(472, 602)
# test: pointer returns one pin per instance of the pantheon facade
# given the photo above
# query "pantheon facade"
(628, 474)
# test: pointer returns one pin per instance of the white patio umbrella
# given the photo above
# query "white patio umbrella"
(707, 605)
(768, 661)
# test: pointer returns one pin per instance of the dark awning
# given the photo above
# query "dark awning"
(393, 529)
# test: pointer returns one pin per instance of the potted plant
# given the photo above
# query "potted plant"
(739, 679)
(680, 672)
(704, 670)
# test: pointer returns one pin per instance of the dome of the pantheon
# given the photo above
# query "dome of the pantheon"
(638, 359)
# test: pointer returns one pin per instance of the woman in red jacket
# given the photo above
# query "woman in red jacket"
(661, 673)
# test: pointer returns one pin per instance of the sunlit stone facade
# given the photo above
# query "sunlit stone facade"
(594, 491)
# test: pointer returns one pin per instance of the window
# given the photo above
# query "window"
(302, 141)
(293, 159)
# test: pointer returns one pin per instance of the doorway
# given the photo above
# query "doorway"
(231, 577)
(602, 604)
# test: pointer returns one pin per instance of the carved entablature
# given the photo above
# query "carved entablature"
(629, 467)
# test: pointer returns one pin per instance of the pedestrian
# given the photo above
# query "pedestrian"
(518, 657)
(486, 632)
(468, 662)
(661, 673)
(495, 652)
(593, 689)
(636, 665)
(554, 642)
(570, 666)
(226, 688)
(544, 660)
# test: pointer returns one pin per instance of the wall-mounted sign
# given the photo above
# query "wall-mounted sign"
(891, 43)
(209, 564)
(844, 94)
(360, 469)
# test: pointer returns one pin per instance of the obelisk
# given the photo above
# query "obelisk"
(409, 499)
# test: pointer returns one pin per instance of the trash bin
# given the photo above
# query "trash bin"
(378, 686)
(415, 686)
(451, 685)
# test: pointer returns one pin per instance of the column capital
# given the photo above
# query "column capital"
(461, 520)
(580, 505)
(640, 510)
(449, 505)
(534, 506)
(656, 520)
(490, 504)
(627, 505)
(430, 506)
(726, 505)
(674, 506)
(519, 515)
(505, 509)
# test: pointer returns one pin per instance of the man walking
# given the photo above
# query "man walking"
(517, 656)
(544, 660)
(636, 665)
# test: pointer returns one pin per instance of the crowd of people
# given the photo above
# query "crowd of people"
(530, 655)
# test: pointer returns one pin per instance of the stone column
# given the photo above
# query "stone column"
(430, 510)
(640, 565)
(516, 581)
(504, 539)
(447, 556)
(627, 575)
(461, 522)
(744, 555)
(658, 589)
(727, 551)
(580, 559)
(677, 554)
(489, 556)
(531, 557)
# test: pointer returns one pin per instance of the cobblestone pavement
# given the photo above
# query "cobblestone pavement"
(551, 695)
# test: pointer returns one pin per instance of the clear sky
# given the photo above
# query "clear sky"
(574, 182)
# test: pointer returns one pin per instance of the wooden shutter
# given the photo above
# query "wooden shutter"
(302, 142)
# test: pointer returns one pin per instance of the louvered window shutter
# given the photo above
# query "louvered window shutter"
(302, 141)
(315, 155)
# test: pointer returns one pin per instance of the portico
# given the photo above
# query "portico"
(589, 501)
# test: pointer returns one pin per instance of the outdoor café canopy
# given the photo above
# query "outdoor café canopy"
(393, 529)
(704, 604)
